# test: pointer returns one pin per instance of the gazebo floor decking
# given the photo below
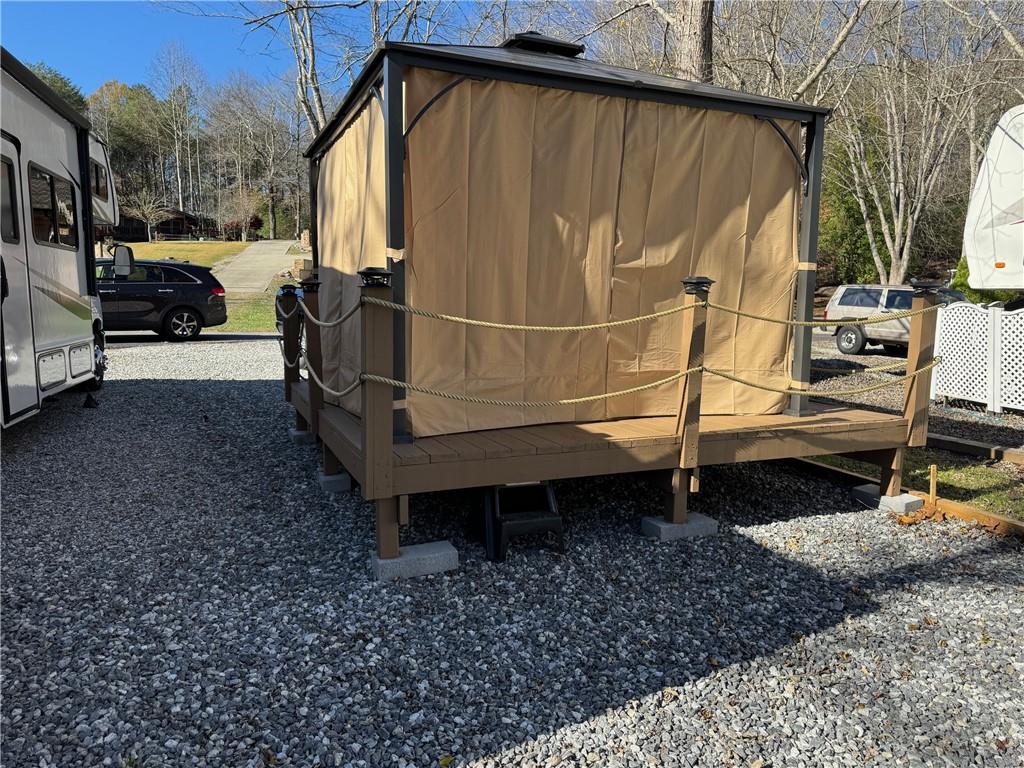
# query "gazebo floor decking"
(553, 451)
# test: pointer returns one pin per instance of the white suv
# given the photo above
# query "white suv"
(855, 302)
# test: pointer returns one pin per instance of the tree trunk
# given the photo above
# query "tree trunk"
(272, 212)
(693, 40)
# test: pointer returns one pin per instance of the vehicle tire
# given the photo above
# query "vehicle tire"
(182, 324)
(896, 350)
(850, 340)
(95, 384)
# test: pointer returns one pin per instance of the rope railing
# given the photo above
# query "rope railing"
(873, 369)
(871, 320)
(300, 305)
(327, 323)
(333, 392)
(604, 396)
(517, 326)
(831, 392)
(524, 403)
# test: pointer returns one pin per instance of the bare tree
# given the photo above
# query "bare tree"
(176, 78)
(149, 207)
(899, 126)
(691, 23)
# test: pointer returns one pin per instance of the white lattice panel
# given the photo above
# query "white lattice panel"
(964, 345)
(1011, 359)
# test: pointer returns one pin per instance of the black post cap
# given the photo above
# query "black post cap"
(926, 287)
(695, 285)
(310, 285)
(375, 276)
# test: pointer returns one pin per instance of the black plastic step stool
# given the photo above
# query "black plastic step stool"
(519, 510)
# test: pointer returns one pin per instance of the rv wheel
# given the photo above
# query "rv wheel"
(182, 324)
(99, 342)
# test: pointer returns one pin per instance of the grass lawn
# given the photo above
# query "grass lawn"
(205, 254)
(991, 487)
(252, 312)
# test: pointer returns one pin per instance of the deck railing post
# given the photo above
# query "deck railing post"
(920, 352)
(314, 356)
(377, 405)
(688, 419)
(290, 337)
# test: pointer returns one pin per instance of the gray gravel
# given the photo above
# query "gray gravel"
(176, 591)
(969, 421)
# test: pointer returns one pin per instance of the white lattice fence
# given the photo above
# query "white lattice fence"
(982, 354)
(1011, 359)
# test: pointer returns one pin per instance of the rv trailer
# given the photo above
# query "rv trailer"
(56, 184)
(994, 230)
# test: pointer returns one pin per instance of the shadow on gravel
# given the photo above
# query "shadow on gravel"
(205, 588)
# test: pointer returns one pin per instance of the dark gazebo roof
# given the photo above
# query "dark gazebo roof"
(537, 59)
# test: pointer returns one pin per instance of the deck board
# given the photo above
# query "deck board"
(824, 421)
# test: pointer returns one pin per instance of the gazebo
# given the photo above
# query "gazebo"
(530, 266)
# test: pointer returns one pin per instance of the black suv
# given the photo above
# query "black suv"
(174, 298)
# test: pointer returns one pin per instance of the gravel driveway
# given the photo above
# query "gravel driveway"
(176, 591)
(969, 423)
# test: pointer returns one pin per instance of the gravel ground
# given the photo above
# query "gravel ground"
(176, 591)
(970, 422)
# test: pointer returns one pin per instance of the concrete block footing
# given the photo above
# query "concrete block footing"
(301, 436)
(868, 495)
(337, 483)
(696, 525)
(903, 504)
(416, 560)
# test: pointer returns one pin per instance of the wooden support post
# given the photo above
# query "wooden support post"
(290, 337)
(314, 357)
(377, 416)
(387, 527)
(920, 352)
(677, 500)
(891, 481)
(331, 464)
(403, 509)
(688, 418)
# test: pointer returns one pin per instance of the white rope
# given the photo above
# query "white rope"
(517, 327)
(328, 323)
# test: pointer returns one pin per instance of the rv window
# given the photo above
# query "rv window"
(8, 191)
(67, 226)
(53, 209)
(99, 180)
(43, 227)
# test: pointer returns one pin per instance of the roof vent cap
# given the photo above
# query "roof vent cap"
(538, 43)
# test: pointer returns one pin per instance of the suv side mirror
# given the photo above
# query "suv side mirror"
(124, 261)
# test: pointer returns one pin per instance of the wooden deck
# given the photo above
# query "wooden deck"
(553, 451)
(389, 471)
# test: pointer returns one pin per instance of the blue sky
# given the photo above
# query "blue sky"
(92, 42)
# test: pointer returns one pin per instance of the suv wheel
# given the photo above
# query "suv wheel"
(850, 340)
(182, 324)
